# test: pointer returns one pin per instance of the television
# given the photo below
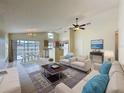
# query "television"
(97, 44)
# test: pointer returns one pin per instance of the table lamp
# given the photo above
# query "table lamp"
(109, 55)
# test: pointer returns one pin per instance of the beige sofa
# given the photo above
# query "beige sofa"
(10, 81)
(115, 85)
(82, 63)
(66, 60)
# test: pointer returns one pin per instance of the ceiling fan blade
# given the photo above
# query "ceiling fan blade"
(82, 28)
(85, 24)
(82, 25)
(74, 25)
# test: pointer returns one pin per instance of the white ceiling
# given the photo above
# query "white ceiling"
(48, 15)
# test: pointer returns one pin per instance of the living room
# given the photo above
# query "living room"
(60, 49)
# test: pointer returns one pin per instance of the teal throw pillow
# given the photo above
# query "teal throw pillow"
(105, 67)
(97, 84)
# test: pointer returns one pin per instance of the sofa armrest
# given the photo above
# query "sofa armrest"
(62, 88)
(88, 64)
(87, 61)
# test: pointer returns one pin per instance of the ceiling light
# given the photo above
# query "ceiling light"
(77, 28)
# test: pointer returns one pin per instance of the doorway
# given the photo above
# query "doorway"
(116, 45)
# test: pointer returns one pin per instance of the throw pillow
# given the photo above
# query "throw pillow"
(97, 84)
(105, 67)
(67, 56)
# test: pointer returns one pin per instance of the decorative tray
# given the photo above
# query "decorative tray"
(55, 66)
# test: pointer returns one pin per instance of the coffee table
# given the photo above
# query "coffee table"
(53, 74)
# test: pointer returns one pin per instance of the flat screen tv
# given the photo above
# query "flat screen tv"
(97, 44)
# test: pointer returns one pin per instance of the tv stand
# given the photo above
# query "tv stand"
(97, 53)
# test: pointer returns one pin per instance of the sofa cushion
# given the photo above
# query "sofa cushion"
(65, 60)
(73, 59)
(116, 83)
(82, 59)
(105, 67)
(116, 67)
(97, 84)
(79, 64)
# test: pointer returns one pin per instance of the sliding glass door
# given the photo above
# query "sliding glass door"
(26, 48)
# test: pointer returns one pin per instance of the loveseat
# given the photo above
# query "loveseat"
(82, 63)
(115, 84)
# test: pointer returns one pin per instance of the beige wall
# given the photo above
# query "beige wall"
(2, 45)
(103, 26)
(71, 40)
(63, 36)
(121, 32)
(3, 40)
(68, 36)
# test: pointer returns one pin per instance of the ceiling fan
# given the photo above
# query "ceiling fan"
(77, 26)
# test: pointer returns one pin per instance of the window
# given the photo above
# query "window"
(50, 45)
(27, 48)
(50, 35)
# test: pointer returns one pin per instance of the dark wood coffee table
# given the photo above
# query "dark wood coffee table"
(54, 74)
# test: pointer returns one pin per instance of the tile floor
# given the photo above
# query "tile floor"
(26, 83)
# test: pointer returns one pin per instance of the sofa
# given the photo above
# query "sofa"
(82, 63)
(115, 84)
(9, 82)
(66, 59)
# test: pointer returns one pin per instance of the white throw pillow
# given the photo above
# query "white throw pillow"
(80, 59)
(116, 83)
(73, 59)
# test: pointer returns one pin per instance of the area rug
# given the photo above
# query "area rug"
(42, 85)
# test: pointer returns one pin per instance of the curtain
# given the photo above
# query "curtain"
(12, 50)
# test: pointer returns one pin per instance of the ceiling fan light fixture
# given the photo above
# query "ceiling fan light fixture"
(77, 28)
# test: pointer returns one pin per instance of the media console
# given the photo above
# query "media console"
(98, 54)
